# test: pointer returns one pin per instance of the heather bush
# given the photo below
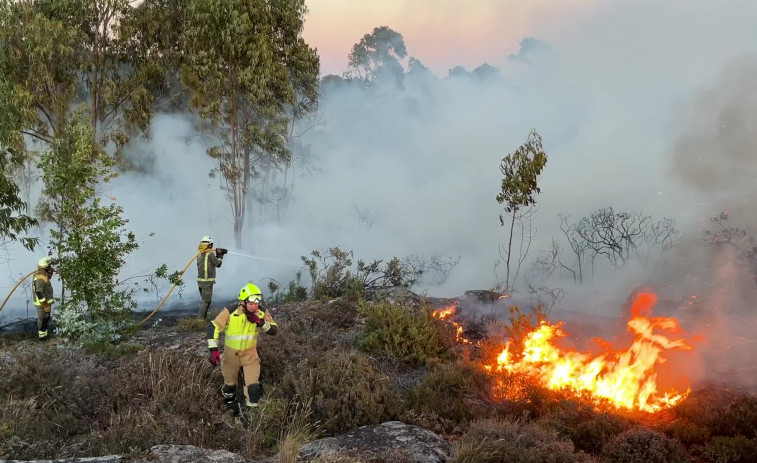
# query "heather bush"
(343, 388)
(513, 441)
(410, 335)
(736, 449)
(453, 391)
(588, 428)
(722, 412)
(643, 445)
(686, 432)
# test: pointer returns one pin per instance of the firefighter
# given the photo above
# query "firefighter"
(242, 327)
(42, 293)
(207, 262)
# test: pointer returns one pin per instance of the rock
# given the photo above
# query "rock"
(391, 441)
(159, 454)
(107, 459)
(191, 454)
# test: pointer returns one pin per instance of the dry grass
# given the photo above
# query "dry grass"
(192, 324)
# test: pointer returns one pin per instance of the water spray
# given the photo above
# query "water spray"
(264, 258)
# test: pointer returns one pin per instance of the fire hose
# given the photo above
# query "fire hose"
(170, 290)
(14, 288)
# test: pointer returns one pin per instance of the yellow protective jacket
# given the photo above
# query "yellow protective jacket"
(207, 262)
(42, 289)
(240, 334)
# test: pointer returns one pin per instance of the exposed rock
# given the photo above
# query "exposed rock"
(391, 441)
(191, 454)
(394, 295)
(159, 454)
(483, 295)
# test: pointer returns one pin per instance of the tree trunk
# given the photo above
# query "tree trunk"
(509, 252)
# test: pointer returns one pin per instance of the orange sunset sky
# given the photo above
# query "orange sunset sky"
(441, 33)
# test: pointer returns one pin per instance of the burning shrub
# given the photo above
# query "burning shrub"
(410, 335)
(513, 442)
(343, 388)
(453, 391)
(731, 450)
(643, 445)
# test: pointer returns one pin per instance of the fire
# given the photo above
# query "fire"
(447, 312)
(626, 378)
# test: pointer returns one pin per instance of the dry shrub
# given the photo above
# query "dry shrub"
(723, 413)
(513, 441)
(297, 431)
(192, 324)
(588, 428)
(737, 449)
(343, 388)
(521, 394)
(643, 445)
(686, 432)
(408, 334)
(453, 391)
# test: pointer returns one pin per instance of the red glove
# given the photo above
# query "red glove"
(214, 358)
(255, 318)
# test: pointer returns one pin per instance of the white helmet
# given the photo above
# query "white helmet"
(206, 239)
(45, 262)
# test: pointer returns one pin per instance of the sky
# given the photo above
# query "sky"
(642, 105)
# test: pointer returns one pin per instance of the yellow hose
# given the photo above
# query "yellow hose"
(171, 290)
(14, 288)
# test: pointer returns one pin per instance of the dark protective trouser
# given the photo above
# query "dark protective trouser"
(43, 320)
(206, 295)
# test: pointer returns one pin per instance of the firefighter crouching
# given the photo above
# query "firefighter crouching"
(241, 327)
(42, 293)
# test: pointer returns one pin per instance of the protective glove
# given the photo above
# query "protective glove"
(214, 358)
(257, 318)
(221, 251)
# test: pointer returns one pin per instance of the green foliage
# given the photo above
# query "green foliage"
(407, 334)
(332, 275)
(453, 391)
(343, 388)
(109, 349)
(90, 238)
(13, 221)
(295, 292)
(643, 445)
(521, 170)
(244, 64)
(377, 55)
(589, 429)
(731, 450)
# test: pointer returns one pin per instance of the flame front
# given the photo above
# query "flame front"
(626, 378)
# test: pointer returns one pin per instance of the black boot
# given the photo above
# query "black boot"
(254, 391)
(229, 393)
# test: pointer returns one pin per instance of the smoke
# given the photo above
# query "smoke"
(642, 106)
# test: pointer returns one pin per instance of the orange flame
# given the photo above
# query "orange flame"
(626, 378)
(447, 312)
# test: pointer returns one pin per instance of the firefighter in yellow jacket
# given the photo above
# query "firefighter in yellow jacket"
(242, 327)
(207, 262)
(42, 293)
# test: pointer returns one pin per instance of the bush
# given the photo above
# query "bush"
(723, 413)
(404, 333)
(731, 450)
(643, 445)
(453, 391)
(344, 389)
(686, 432)
(589, 430)
(513, 441)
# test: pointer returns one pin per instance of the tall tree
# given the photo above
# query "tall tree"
(521, 170)
(243, 61)
(377, 57)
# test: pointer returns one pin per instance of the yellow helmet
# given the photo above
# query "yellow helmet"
(45, 262)
(250, 293)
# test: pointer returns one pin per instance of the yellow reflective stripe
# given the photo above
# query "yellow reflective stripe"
(212, 343)
(207, 254)
(206, 279)
(240, 337)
